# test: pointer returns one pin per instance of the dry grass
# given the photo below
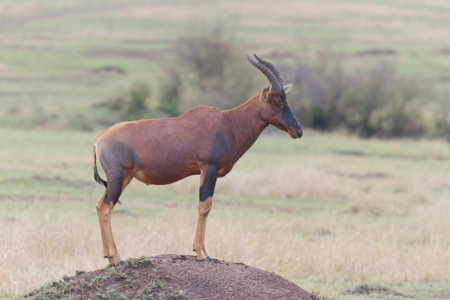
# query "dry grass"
(319, 217)
(14, 9)
(325, 247)
(321, 9)
(39, 251)
(154, 10)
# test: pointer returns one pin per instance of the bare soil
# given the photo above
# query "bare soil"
(174, 277)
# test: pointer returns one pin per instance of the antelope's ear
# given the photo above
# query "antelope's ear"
(287, 87)
(265, 93)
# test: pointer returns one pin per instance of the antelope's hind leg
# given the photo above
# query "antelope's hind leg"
(104, 210)
(207, 184)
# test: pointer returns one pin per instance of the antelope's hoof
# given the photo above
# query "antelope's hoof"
(120, 263)
(205, 259)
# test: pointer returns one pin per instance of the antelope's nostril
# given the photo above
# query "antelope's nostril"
(296, 132)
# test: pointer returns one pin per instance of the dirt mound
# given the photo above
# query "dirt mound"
(173, 277)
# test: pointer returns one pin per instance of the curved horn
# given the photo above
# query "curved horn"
(272, 68)
(266, 71)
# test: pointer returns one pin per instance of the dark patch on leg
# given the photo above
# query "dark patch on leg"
(220, 147)
(117, 159)
(119, 155)
(209, 182)
(113, 191)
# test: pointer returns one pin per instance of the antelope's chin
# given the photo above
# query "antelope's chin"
(295, 133)
(293, 136)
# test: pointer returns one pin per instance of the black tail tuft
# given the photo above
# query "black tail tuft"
(99, 179)
(96, 175)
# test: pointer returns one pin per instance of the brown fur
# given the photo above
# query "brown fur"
(205, 140)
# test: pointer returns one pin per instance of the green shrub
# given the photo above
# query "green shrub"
(169, 101)
(369, 101)
(137, 96)
(217, 73)
(130, 104)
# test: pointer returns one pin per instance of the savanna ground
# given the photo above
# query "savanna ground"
(348, 218)
(329, 213)
(174, 277)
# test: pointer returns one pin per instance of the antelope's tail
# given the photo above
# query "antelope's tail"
(96, 175)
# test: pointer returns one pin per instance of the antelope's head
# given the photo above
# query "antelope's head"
(276, 110)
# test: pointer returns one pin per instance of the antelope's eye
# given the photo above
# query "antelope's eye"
(277, 100)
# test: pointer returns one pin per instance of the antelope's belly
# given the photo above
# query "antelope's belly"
(162, 176)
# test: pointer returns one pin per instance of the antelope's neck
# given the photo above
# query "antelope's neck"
(245, 124)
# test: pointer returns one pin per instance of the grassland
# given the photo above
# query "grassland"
(329, 213)
(50, 52)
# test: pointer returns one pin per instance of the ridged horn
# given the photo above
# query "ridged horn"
(276, 86)
(271, 68)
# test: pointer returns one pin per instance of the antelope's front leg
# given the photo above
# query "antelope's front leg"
(204, 208)
(207, 184)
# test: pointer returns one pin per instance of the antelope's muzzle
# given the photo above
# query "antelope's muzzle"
(295, 133)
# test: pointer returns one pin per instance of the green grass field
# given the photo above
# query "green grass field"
(333, 214)
(50, 51)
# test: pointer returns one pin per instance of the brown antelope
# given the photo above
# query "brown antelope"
(204, 140)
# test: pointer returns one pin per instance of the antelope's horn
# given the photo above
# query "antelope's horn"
(271, 68)
(269, 74)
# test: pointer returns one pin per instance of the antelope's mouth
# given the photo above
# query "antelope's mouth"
(296, 133)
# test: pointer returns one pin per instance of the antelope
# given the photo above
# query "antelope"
(205, 140)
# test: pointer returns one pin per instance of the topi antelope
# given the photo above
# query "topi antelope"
(205, 141)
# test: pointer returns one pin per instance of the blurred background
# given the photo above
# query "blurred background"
(371, 69)
(357, 208)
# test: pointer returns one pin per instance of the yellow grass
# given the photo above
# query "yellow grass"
(329, 247)
(10, 9)
(322, 219)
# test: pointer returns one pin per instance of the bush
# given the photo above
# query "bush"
(136, 98)
(128, 104)
(369, 93)
(216, 72)
(442, 118)
(373, 101)
(323, 85)
(169, 102)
